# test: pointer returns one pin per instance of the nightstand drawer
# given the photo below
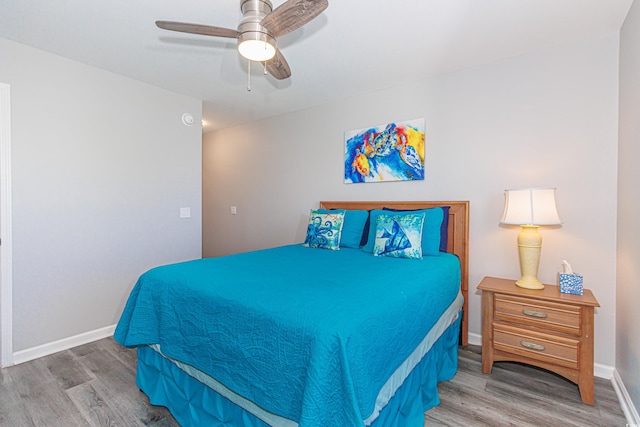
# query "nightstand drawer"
(543, 314)
(544, 347)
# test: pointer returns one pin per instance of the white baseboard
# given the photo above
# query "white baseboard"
(474, 339)
(63, 344)
(629, 409)
(603, 371)
(599, 370)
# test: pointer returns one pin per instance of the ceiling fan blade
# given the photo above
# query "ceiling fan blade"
(205, 30)
(292, 15)
(278, 66)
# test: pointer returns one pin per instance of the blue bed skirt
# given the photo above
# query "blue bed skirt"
(193, 404)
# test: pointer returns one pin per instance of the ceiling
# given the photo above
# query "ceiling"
(349, 49)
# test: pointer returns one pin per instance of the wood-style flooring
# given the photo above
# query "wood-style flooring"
(94, 385)
(519, 395)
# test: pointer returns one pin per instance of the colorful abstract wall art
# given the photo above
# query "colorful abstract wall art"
(391, 152)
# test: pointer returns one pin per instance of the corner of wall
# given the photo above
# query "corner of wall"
(629, 409)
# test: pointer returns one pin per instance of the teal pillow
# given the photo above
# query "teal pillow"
(399, 236)
(324, 229)
(430, 230)
(444, 228)
(353, 227)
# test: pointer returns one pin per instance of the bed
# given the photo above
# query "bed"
(302, 336)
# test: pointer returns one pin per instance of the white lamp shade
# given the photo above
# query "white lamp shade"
(535, 206)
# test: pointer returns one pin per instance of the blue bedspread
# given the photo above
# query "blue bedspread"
(308, 334)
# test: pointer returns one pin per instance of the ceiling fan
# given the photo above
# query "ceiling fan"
(259, 28)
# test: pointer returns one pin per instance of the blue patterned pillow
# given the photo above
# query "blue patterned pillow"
(430, 231)
(444, 227)
(324, 229)
(399, 236)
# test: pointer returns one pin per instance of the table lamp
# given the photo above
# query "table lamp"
(530, 208)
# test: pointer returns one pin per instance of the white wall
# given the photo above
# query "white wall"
(101, 166)
(628, 283)
(541, 119)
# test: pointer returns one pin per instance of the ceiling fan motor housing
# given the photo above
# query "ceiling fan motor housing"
(252, 33)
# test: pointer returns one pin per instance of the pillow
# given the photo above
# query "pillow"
(324, 230)
(430, 229)
(444, 228)
(353, 227)
(365, 233)
(399, 236)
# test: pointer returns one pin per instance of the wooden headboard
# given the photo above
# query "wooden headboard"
(458, 240)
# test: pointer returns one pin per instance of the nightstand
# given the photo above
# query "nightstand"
(544, 328)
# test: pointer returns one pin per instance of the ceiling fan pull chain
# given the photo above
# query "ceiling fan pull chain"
(265, 67)
(249, 76)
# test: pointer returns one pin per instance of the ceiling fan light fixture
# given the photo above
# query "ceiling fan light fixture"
(256, 46)
(258, 29)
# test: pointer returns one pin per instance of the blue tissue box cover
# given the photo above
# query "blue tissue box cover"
(571, 283)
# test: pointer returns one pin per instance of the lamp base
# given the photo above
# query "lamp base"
(529, 283)
(529, 245)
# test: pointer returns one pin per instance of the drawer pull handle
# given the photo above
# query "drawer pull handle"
(532, 346)
(532, 313)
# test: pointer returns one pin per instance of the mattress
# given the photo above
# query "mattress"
(310, 335)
